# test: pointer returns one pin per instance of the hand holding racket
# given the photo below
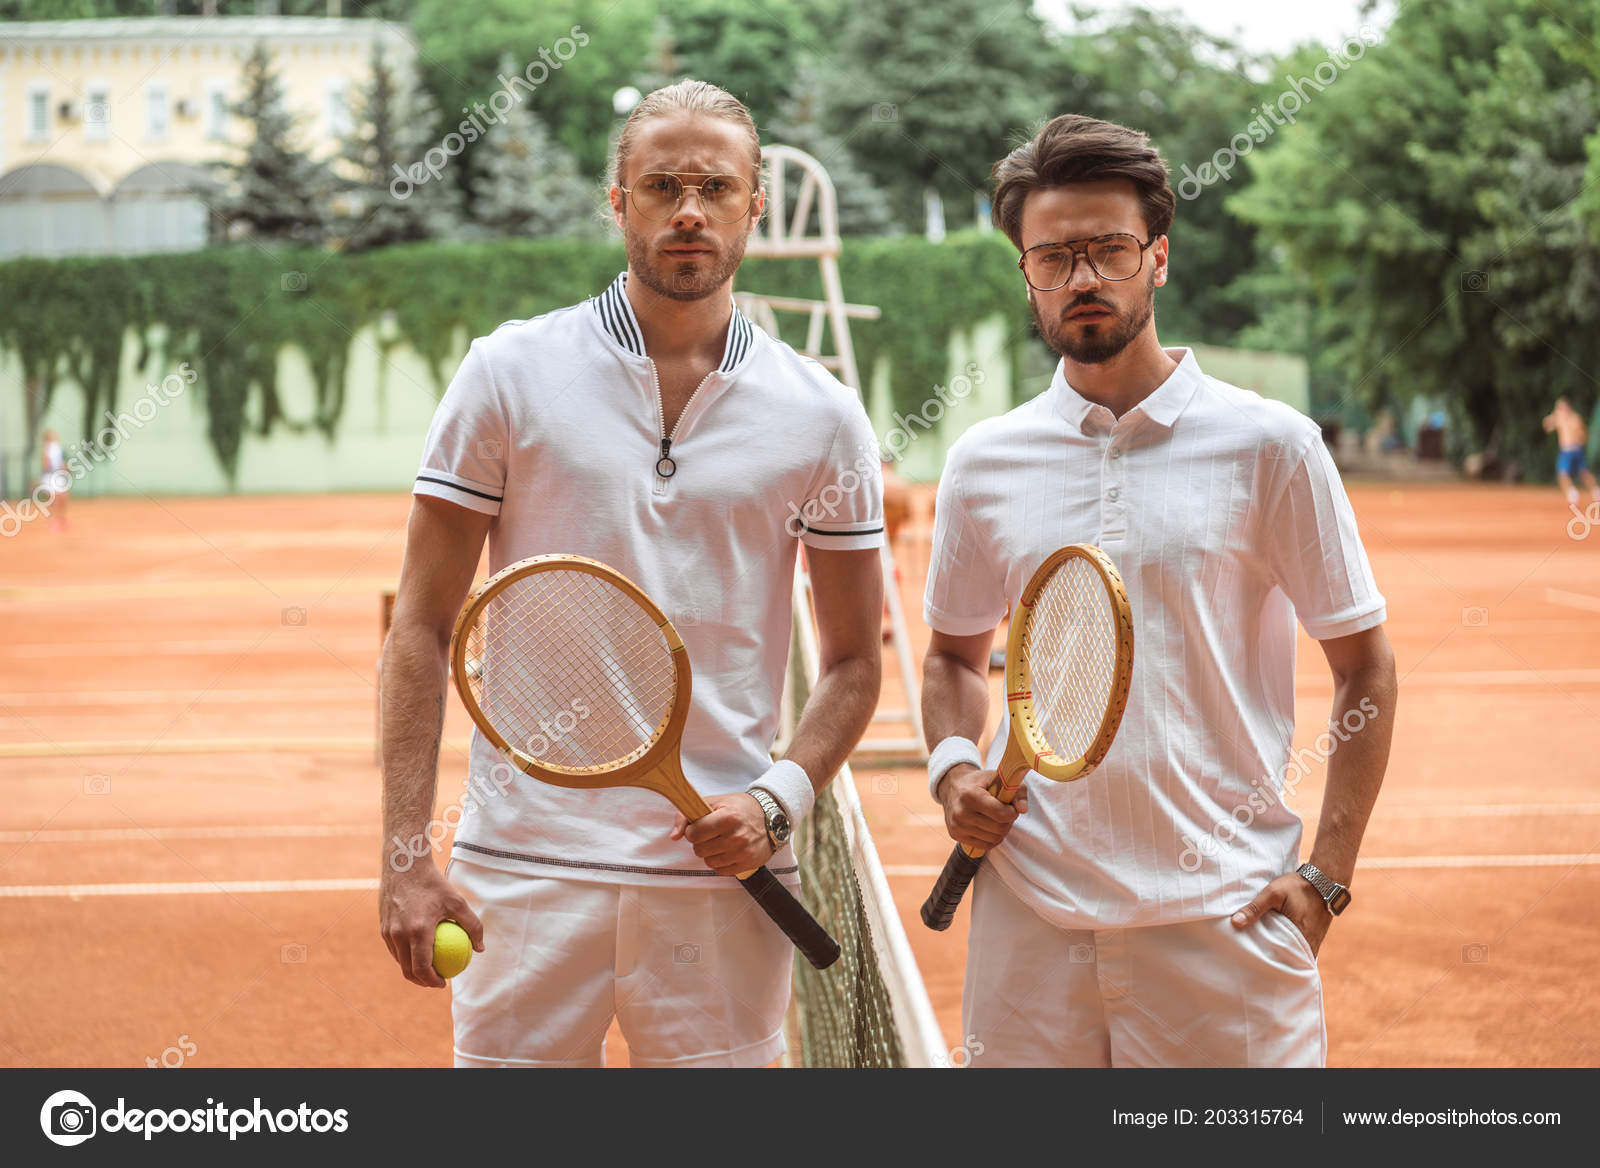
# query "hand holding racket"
(1069, 661)
(556, 635)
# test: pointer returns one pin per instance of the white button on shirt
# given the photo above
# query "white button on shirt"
(1227, 520)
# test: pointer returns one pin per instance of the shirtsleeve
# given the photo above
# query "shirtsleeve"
(464, 458)
(1314, 551)
(844, 510)
(966, 589)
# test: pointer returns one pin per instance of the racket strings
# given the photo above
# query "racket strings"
(571, 670)
(1070, 647)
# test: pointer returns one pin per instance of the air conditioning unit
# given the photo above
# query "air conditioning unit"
(67, 111)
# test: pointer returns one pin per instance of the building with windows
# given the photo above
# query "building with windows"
(106, 125)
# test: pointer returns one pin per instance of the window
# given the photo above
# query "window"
(97, 111)
(38, 113)
(217, 109)
(338, 108)
(158, 111)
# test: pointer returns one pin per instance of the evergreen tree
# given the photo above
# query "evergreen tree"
(394, 125)
(276, 192)
(527, 183)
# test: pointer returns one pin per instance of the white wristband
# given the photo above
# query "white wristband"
(947, 754)
(788, 783)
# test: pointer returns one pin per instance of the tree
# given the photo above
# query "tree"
(1434, 202)
(462, 46)
(1192, 93)
(928, 96)
(527, 182)
(275, 193)
(393, 127)
(863, 208)
(751, 50)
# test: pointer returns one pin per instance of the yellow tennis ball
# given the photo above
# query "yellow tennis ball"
(452, 949)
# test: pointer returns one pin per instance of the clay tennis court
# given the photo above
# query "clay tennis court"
(189, 838)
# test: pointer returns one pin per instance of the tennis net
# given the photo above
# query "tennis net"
(870, 1008)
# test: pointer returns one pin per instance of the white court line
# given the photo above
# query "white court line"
(122, 746)
(272, 646)
(1375, 863)
(1534, 861)
(370, 884)
(1486, 811)
(1504, 677)
(197, 888)
(244, 831)
(1572, 599)
(178, 588)
(140, 697)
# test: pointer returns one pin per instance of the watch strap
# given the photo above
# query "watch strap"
(770, 812)
(1335, 895)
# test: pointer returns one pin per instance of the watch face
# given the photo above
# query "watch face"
(780, 828)
(1339, 901)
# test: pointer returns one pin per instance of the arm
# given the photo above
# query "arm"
(848, 587)
(1364, 680)
(443, 543)
(955, 701)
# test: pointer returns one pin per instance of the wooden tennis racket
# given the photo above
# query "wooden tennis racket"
(577, 677)
(1069, 661)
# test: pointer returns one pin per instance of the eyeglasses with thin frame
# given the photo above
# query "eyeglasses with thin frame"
(658, 195)
(1117, 256)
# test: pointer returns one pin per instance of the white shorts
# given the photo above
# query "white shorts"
(1199, 994)
(694, 977)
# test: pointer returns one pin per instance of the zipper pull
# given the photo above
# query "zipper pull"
(665, 466)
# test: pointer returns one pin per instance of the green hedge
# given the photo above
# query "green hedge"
(229, 311)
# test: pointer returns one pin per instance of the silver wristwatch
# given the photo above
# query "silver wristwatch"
(1335, 895)
(779, 829)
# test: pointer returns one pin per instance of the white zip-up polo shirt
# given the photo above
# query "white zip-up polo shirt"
(554, 426)
(1227, 520)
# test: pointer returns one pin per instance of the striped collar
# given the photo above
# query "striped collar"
(616, 317)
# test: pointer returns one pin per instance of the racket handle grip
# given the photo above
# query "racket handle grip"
(791, 916)
(940, 907)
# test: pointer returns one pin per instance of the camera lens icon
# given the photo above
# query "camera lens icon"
(67, 1118)
(686, 954)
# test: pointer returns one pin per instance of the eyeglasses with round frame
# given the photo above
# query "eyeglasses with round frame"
(727, 203)
(1087, 248)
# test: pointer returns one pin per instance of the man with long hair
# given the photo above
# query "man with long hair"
(655, 429)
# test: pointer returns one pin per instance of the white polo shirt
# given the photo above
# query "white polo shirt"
(553, 426)
(1227, 520)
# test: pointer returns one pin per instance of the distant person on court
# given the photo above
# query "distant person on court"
(1572, 463)
(655, 429)
(1152, 913)
(55, 479)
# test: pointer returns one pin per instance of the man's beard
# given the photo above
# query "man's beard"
(677, 279)
(1098, 343)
